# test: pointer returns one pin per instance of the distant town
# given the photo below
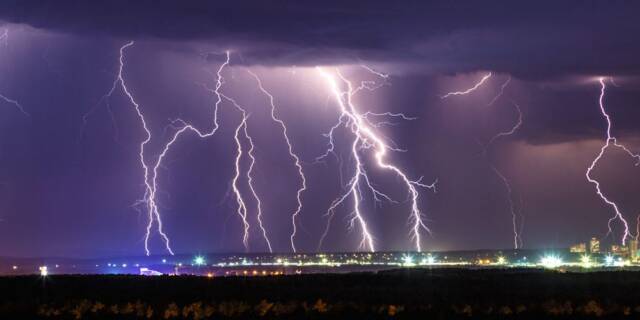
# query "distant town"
(629, 252)
(583, 256)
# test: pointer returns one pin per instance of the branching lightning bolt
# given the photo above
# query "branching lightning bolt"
(149, 181)
(610, 141)
(253, 190)
(151, 170)
(292, 154)
(242, 127)
(242, 208)
(366, 138)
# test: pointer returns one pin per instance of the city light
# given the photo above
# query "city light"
(407, 261)
(620, 262)
(258, 265)
(608, 260)
(585, 260)
(199, 261)
(551, 261)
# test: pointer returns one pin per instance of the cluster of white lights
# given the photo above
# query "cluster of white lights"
(551, 261)
(199, 261)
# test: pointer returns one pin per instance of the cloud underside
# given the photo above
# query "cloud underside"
(540, 39)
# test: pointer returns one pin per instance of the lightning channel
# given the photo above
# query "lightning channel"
(252, 188)
(610, 140)
(149, 195)
(242, 207)
(292, 154)
(517, 239)
(467, 91)
(365, 138)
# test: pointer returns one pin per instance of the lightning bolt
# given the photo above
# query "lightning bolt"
(150, 175)
(472, 89)
(513, 129)
(517, 239)
(242, 208)
(501, 92)
(377, 73)
(242, 127)
(151, 168)
(292, 154)
(609, 141)
(253, 190)
(15, 103)
(365, 138)
(150, 190)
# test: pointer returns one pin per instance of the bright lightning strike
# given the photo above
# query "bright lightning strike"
(292, 154)
(242, 127)
(366, 138)
(252, 188)
(242, 208)
(151, 170)
(610, 141)
(150, 176)
(474, 88)
(150, 189)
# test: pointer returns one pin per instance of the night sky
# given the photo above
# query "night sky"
(70, 172)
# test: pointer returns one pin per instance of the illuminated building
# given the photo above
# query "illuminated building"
(578, 248)
(594, 245)
(633, 249)
(619, 250)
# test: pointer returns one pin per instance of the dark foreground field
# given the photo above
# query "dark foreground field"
(433, 294)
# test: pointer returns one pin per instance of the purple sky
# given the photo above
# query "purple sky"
(68, 188)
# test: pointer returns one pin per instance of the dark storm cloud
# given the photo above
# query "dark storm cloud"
(530, 40)
(85, 172)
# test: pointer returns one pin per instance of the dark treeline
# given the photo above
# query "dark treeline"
(407, 293)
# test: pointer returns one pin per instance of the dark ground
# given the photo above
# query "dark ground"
(435, 294)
